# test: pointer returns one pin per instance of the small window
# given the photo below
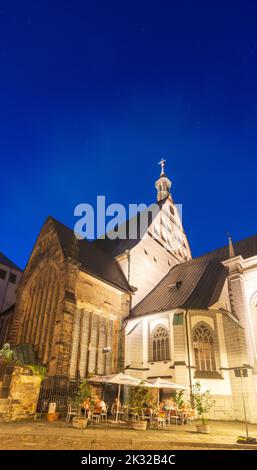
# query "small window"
(146, 252)
(155, 259)
(178, 319)
(2, 274)
(12, 278)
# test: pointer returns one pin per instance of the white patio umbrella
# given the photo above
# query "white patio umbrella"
(162, 383)
(120, 379)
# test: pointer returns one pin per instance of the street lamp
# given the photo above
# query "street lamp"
(242, 372)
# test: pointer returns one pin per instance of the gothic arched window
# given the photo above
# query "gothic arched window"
(41, 298)
(160, 344)
(204, 348)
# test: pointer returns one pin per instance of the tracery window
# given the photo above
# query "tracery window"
(204, 348)
(160, 344)
(39, 312)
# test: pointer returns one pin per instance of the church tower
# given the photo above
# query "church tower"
(162, 244)
(163, 184)
(167, 228)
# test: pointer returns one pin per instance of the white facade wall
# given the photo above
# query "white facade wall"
(163, 246)
(242, 284)
(227, 332)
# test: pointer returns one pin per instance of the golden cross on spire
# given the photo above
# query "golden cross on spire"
(162, 163)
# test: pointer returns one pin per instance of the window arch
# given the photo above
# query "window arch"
(160, 344)
(204, 348)
(39, 306)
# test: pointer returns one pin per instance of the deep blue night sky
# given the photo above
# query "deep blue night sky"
(94, 93)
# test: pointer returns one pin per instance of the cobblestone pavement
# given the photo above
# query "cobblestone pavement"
(54, 436)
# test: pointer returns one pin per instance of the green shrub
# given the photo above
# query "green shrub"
(203, 402)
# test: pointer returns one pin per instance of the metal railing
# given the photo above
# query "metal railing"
(57, 390)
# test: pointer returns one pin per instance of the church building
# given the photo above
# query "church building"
(192, 319)
(146, 306)
(70, 305)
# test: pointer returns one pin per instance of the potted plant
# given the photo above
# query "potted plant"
(179, 400)
(203, 403)
(139, 397)
(84, 393)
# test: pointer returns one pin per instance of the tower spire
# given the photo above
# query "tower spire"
(163, 184)
(162, 163)
(231, 250)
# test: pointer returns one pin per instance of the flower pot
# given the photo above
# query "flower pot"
(52, 416)
(203, 428)
(139, 425)
(79, 422)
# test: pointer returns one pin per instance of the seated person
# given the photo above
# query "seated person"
(170, 405)
(161, 409)
(103, 406)
(115, 406)
(85, 408)
(161, 406)
(97, 409)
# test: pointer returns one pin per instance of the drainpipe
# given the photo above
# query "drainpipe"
(189, 360)
(129, 262)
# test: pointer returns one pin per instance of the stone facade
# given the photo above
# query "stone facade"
(68, 315)
(22, 397)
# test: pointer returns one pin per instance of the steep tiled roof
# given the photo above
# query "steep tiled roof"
(196, 284)
(7, 262)
(92, 259)
(246, 248)
(120, 245)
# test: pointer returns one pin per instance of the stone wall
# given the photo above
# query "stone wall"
(23, 395)
(68, 315)
(98, 313)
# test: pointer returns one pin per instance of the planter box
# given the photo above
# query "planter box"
(79, 423)
(52, 416)
(249, 440)
(139, 425)
(203, 428)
